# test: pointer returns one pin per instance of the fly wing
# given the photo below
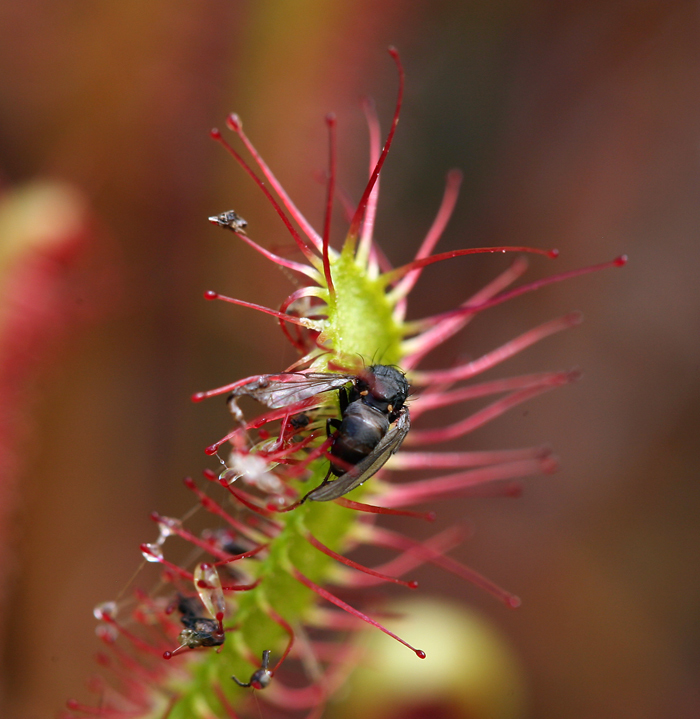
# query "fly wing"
(369, 466)
(282, 390)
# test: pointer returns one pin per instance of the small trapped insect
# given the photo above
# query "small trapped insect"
(260, 678)
(299, 421)
(230, 220)
(198, 631)
(363, 439)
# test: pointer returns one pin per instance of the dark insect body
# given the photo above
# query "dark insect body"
(363, 440)
(198, 631)
(299, 421)
(373, 418)
(260, 678)
(231, 220)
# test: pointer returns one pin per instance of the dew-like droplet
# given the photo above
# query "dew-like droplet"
(107, 633)
(512, 601)
(233, 121)
(208, 586)
(168, 526)
(229, 476)
(152, 552)
(108, 609)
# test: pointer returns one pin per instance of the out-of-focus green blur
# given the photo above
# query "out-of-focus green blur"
(470, 671)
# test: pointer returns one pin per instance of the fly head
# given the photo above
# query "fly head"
(384, 388)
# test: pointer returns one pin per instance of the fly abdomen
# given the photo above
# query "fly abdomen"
(361, 431)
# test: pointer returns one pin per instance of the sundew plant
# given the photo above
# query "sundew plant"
(259, 611)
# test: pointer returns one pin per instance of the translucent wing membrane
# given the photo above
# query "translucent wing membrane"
(369, 466)
(277, 391)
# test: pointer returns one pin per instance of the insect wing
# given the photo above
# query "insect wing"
(369, 466)
(282, 390)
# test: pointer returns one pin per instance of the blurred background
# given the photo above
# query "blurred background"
(577, 126)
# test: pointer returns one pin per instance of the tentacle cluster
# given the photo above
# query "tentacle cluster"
(251, 587)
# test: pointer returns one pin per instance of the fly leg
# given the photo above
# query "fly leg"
(344, 400)
(332, 426)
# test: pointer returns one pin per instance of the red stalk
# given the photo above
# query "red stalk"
(287, 628)
(230, 712)
(351, 610)
(216, 135)
(408, 560)
(391, 539)
(139, 643)
(619, 261)
(362, 205)
(243, 555)
(435, 400)
(366, 245)
(456, 460)
(371, 509)
(241, 587)
(296, 295)
(234, 123)
(391, 277)
(419, 346)
(354, 565)
(331, 122)
(310, 272)
(303, 321)
(455, 484)
(191, 538)
(500, 354)
(495, 409)
(449, 200)
(182, 573)
(246, 501)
